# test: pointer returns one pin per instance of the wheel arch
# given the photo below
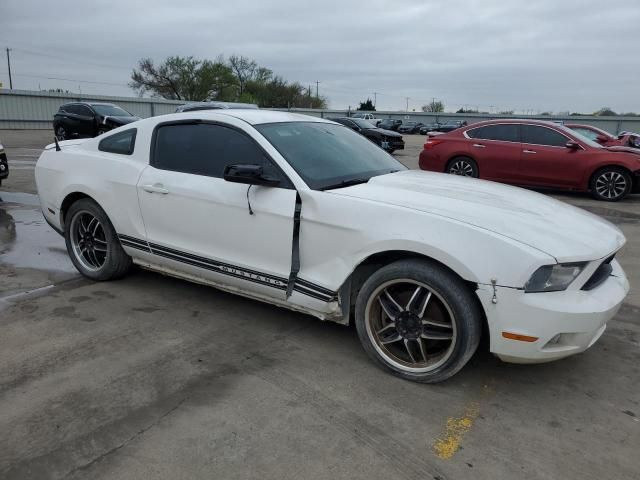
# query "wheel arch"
(363, 270)
(634, 179)
(69, 200)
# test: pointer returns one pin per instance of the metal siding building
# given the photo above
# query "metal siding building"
(23, 109)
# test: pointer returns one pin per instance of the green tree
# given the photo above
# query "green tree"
(605, 112)
(184, 78)
(367, 106)
(434, 106)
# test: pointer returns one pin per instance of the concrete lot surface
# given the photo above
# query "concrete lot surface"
(152, 377)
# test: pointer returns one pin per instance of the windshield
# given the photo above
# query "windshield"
(579, 136)
(111, 111)
(327, 155)
(363, 123)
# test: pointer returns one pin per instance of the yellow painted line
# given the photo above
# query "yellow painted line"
(457, 427)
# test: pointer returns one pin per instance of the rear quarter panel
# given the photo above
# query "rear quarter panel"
(435, 159)
(110, 179)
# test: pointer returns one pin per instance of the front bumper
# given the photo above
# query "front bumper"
(564, 323)
(4, 165)
(392, 144)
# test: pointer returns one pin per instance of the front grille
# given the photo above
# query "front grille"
(600, 275)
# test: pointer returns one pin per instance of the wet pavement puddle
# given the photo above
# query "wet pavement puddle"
(28, 243)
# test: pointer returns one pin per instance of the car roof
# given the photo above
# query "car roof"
(543, 123)
(214, 105)
(253, 117)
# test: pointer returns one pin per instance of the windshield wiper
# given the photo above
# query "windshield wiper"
(346, 183)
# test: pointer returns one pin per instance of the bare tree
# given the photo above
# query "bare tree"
(434, 106)
(246, 70)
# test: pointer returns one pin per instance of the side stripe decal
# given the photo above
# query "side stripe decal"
(301, 286)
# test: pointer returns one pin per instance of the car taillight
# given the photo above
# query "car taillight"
(432, 143)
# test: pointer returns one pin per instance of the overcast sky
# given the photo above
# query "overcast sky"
(557, 55)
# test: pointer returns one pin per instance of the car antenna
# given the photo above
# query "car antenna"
(55, 139)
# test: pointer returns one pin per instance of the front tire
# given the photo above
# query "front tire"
(418, 320)
(92, 242)
(463, 166)
(610, 184)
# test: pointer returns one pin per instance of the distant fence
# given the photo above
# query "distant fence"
(23, 109)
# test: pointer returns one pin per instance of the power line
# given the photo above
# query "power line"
(71, 80)
(70, 59)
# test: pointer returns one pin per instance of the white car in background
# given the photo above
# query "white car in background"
(305, 213)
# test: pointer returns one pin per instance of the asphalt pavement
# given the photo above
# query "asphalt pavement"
(153, 377)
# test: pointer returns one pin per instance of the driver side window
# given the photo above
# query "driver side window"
(206, 149)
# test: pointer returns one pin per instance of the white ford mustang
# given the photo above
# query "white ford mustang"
(307, 214)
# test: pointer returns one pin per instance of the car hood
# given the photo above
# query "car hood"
(386, 133)
(621, 148)
(556, 228)
(119, 120)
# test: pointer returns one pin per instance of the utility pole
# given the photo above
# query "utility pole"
(317, 82)
(407, 98)
(375, 98)
(9, 67)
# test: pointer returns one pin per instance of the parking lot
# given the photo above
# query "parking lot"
(153, 377)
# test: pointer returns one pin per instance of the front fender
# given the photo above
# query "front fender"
(338, 233)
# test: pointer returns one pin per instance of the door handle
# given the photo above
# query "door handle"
(479, 145)
(155, 188)
(529, 151)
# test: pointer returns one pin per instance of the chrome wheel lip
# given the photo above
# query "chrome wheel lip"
(611, 184)
(461, 168)
(388, 356)
(76, 238)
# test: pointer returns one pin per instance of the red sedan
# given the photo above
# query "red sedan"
(534, 153)
(625, 139)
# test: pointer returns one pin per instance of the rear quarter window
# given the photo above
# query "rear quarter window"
(122, 143)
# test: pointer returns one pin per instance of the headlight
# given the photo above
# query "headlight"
(554, 278)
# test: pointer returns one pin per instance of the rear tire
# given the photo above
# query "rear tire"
(610, 184)
(463, 166)
(418, 320)
(92, 242)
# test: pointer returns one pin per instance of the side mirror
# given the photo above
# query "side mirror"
(572, 145)
(249, 175)
(601, 139)
(357, 129)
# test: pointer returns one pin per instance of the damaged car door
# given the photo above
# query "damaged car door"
(235, 234)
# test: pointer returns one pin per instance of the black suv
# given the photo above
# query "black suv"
(82, 119)
(386, 139)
